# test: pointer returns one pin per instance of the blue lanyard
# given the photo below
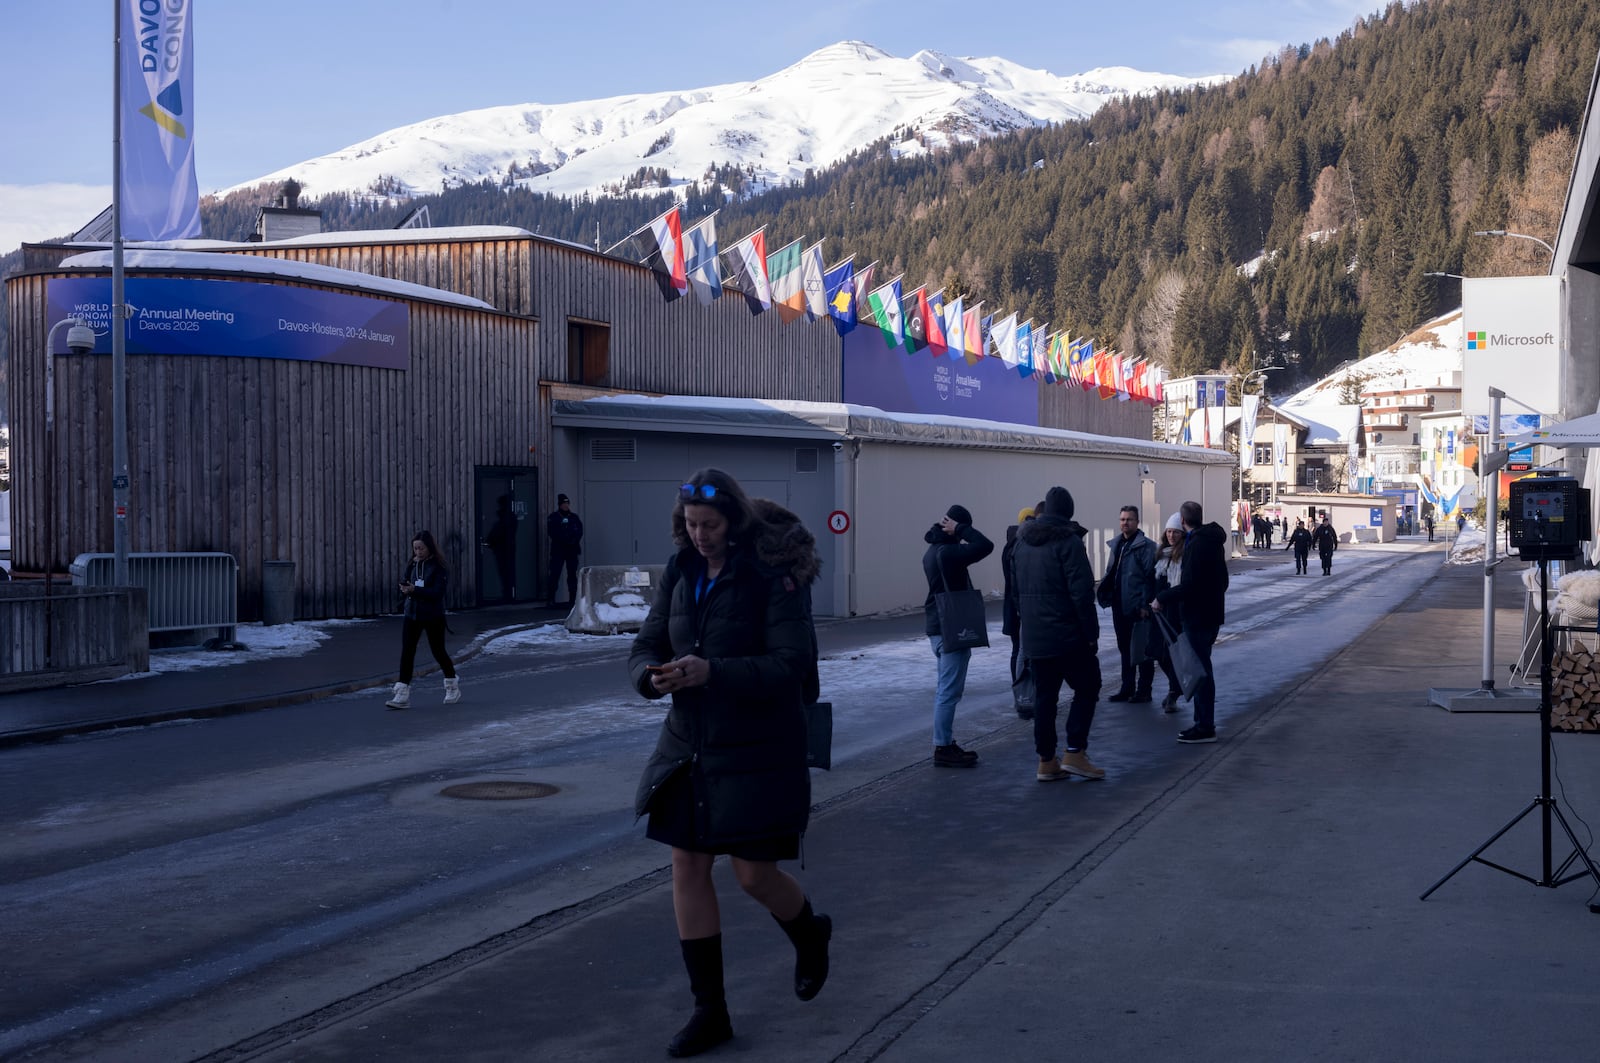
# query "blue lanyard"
(702, 587)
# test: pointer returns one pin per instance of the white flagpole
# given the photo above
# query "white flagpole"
(119, 317)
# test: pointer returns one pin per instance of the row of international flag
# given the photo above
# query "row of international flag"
(794, 281)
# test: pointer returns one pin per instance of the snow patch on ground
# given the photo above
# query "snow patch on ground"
(256, 642)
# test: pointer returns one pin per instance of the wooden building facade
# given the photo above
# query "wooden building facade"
(334, 467)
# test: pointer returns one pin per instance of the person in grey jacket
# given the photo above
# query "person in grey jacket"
(1060, 631)
(1129, 584)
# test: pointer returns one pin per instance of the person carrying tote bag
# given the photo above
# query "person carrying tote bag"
(954, 545)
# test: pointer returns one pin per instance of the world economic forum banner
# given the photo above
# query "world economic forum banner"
(239, 319)
(946, 385)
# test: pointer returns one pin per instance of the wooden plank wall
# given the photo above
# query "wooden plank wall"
(1069, 406)
(330, 466)
(677, 348)
(334, 467)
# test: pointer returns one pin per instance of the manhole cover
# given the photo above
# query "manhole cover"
(498, 790)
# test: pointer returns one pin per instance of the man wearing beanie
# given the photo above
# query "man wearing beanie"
(1060, 633)
(954, 545)
(1126, 591)
(1198, 601)
(566, 543)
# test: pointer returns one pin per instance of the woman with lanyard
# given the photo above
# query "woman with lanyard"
(729, 638)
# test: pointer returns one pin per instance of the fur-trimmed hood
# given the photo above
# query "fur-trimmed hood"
(783, 542)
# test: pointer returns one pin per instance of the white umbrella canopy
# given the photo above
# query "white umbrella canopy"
(1578, 432)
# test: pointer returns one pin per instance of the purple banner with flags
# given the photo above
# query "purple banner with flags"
(890, 379)
(239, 319)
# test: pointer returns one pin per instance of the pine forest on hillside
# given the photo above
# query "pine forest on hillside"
(1342, 171)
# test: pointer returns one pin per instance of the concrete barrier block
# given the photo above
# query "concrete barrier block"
(613, 598)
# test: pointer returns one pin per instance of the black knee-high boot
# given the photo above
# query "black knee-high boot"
(709, 1026)
(809, 933)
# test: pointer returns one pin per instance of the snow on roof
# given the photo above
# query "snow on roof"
(1429, 357)
(1327, 424)
(1331, 423)
(264, 266)
(835, 419)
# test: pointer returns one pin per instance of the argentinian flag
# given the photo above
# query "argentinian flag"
(160, 197)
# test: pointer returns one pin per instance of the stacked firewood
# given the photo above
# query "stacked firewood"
(1574, 691)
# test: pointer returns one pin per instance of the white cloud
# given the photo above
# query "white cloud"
(43, 212)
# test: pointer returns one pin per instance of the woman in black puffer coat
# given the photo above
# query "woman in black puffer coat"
(730, 638)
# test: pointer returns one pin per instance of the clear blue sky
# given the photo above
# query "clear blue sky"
(293, 79)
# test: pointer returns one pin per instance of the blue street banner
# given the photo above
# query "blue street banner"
(238, 319)
(160, 196)
(875, 375)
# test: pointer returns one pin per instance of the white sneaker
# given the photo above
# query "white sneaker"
(401, 698)
(452, 691)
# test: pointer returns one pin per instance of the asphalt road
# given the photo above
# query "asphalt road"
(174, 890)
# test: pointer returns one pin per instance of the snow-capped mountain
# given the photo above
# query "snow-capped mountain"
(809, 115)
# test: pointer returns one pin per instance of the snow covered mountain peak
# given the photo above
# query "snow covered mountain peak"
(808, 115)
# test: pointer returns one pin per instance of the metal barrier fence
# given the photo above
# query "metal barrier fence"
(187, 592)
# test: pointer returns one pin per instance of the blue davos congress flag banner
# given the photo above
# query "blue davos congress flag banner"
(239, 319)
(898, 382)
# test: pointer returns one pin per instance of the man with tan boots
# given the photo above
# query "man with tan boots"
(1060, 633)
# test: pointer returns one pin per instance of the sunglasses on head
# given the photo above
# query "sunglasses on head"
(689, 492)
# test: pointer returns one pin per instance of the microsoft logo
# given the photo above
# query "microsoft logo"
(1477, 341)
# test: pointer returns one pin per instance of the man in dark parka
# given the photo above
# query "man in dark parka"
(1060, 633)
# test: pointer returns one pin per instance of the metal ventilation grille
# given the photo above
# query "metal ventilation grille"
(805, 459)
(613, 449)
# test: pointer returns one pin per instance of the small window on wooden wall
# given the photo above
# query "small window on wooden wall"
(588, 353)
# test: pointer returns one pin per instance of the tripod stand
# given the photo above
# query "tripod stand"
(1551, 877)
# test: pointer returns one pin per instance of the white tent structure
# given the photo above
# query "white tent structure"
(1578, 432)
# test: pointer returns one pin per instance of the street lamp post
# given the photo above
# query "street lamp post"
(80, 340)
(1244, 381)
(1517, 236)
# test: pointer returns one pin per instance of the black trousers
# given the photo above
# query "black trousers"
(1300, 557)
(571, 563)
(1123, 625)
(410, 632)
(1327, 561)
(1079, 668)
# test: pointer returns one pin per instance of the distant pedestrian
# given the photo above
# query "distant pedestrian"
(954, 545)
(422, 590)
(1198, 600)
(1060, 631)
(1326, 540)
(565, 530)
(1010, 626)
(1461, 523)
(729, 638)
(1300, 543)
(1126, 590)
(1427, 523)
(502, 543)
(1168, 573)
